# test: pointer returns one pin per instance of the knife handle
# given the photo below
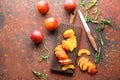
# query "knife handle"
(92, 40)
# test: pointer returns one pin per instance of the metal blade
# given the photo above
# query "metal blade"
(83, 21)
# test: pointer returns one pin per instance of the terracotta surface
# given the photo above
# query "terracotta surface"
(19, 55)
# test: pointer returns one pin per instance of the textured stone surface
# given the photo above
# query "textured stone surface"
(19, 55)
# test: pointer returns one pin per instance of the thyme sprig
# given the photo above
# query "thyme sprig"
(40, 75)
(101, 40)
(44, 57)
(89, 19)
(105, 21)
(101, 28)
(82, 3)
(98, 56)
(92, 3)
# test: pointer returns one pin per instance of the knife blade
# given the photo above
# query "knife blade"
(91, 38)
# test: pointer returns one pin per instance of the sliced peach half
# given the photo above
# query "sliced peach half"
(83, 51)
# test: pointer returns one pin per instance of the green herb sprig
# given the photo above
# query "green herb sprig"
(40, 75)
(92, 3)
(98, 56)
(83, 3)
(101, 40)
(101, 28)
(44, 57)
(104, 21)
(89, 19)
(95, 10)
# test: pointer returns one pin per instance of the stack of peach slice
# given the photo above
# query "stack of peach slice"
(85, 64)
(61, 55)
(69, 44)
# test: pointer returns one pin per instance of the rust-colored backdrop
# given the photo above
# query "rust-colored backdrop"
(19, 55)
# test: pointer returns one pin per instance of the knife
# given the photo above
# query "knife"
(91, 38)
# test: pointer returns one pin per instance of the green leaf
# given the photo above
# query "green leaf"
(101, 40)
(94, 21)
(87, 17)
(95, 10)
(92, 3)
(101, 28)
(104, 21)
(96, 16)
(98, 56)
(40, 75)
(44, 57)
(83, 3)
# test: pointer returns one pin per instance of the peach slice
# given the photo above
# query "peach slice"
(73, 41)
(83, 51)
(59, 48)
(61, 55)
(92, 70)
(60, 51)
(68, 66)
(68, 33)
(80, 60)
(65, 62)
(67, 45)
(83, 62)
(86, 65)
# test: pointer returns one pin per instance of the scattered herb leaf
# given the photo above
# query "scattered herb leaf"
(44, 57)
(92, 3)
(96, 16)
(46, 48)
(83, 3)
(101, 40)
(40, 75)
(104, 21)
(100, 28)
(94, 21)
(98, 56)
(95, 10)
(87, 18)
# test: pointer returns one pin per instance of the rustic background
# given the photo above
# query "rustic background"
(19, 55)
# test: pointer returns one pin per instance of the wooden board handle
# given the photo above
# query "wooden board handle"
(72, 16)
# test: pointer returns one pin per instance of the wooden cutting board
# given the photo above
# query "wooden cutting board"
(55, 67)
